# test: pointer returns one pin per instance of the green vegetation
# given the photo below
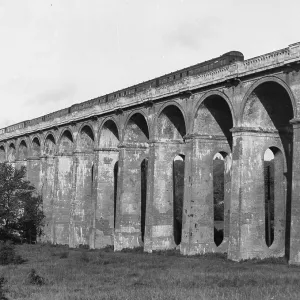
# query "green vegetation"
(85, 274)
(21, 215)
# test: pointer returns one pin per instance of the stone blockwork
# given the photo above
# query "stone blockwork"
(105, 167)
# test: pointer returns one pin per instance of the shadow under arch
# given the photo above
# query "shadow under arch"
(171, 124)
(269, 107)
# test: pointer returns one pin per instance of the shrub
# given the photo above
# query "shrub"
(8, 254)
(64, 254)
(34, 278)
(84, 257)
(2, 289)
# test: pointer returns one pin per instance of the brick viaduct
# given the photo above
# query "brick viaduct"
(88, 162)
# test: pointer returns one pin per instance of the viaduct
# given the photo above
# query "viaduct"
(91, 161)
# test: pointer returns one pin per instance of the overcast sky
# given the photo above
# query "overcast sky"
(55, 53)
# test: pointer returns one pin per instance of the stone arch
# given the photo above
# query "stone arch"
(171, 122)
(22, 150)
(86, 138)
(266, 112)
(36, 147)
(257, 84)
(49, 145)
(214, 93)
(136, 128)
(109, 134)
(11, 152)
(269, 107)
(213, 117)
(2, 154)
(66, 142)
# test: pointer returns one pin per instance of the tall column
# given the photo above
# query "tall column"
(199, 204)
(47, 175)
(247, 218)
(128, 210)
(63, 198)
(294, 255)
(33, 172)
(105, 193)
(81, 212)
(160, 206)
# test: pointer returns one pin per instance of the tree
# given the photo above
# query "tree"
(20, 206)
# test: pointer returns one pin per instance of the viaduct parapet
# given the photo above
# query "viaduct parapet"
(105, 167)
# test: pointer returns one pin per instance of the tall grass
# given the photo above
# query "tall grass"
(130, 274)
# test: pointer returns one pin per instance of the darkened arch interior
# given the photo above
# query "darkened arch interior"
(136, 129)
(11, 152)
(270, 108)
(2, 154)
(275, 194)
(66, 142)
(23, 150)
(86, 139)
(109, 135)
(171, 124)
(50, 145)
(213, 117)
(178, 196)
(36, 147)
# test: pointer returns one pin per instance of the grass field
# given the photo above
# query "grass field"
(102, 274)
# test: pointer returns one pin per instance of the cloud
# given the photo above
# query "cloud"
(191, 34)
(55, 96)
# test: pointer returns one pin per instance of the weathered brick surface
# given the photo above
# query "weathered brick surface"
(87, 161)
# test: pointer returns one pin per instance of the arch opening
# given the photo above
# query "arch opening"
(116, 174)
(171, 124)
(178, 196)
(2, 154)
(50, 145)
(221, 185)
(275, 192)
(11, 153)
(214, 118)
(66, 143)
(86, 139)
(23, 151)
(109, 136)
(137, 129)
(269, 108)
(144, 175)
(36, 147)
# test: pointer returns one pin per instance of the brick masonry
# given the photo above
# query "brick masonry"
(87, 163)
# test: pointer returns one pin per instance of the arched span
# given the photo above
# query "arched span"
(136, 128)
(170, 122)
(49, 144)
(86, 138)
(108, 134)
(65, 142)
(280, 148)
(36, 146)
(22, 150)
(11, 155)
(2, 154)
(255, 85)
(209, 94)
(213, 117)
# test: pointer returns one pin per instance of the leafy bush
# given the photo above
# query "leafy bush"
(64, 254)
(34, 278)
(21, 214)
(3, 291)
(8, 254)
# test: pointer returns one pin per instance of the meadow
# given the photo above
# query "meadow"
(60, 273)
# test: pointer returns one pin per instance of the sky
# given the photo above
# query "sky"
(55, 53)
